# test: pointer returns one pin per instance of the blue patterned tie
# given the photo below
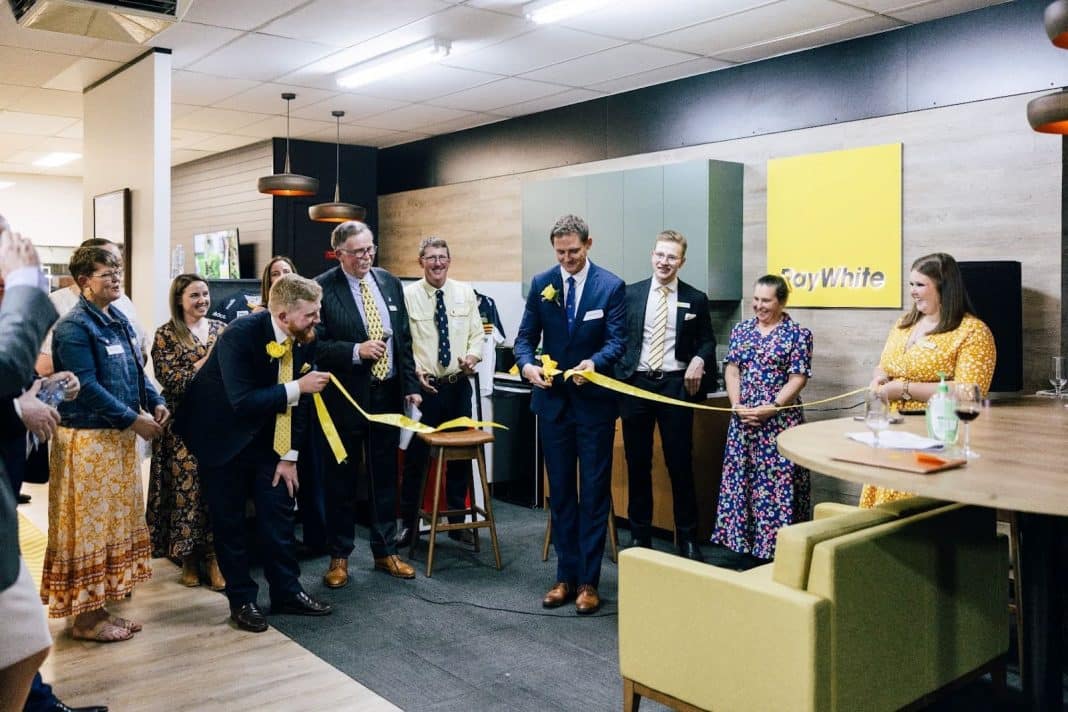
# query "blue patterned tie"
(441, 320)
(569, 304)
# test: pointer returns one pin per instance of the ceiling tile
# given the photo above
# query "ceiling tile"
(923, 12)
(664, 74)
(205, 89)
(499, 93)
(215, 120)
(10, 144)
(224, 142)
(32, 124)
(189, 41)
(828, 35)
(464, 122)
(267, 99)
(770, 22)
(113, 51)
(276, 126)
(52, 144)
(81, 74)
(342, 23)
(262, 57)
(28, 157)
(30, 68)
(182, 138)
(355, 107)
(536, 49)
(75, 131)
(180, 110)
(639, 19)
(49, 101)
(396, 138)
(10, 94)
(427, 83)
(353, 135)
(185, 155)
(609, 64)
(566, 98)
(412, 117)
(239, 14)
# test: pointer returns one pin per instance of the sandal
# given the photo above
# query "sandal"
(132, 626)
(103, 632)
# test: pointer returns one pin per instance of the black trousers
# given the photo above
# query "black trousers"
(452, 400)
(676, 435)
(378, 446)
(226, 488)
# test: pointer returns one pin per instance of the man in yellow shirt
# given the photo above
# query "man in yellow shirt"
(447, 338)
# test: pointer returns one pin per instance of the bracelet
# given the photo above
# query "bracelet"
(905, 395)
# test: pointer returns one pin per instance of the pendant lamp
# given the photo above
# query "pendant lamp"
(288, 184)
(337, 212)
(1056, 20)
(1049, 113)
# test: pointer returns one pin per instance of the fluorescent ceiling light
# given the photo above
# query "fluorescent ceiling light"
(59, 158)
(395, 62)
(546, 11)
(6, 184)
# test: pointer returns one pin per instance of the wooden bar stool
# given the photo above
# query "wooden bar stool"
(456, 445)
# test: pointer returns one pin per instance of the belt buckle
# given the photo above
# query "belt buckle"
(453, 378)
(657, 374)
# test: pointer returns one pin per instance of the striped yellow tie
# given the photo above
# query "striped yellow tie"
(380, 368)
(283, 422)
(656, 347)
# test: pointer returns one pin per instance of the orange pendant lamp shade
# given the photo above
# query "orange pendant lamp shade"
(337, 212)
(287, 184)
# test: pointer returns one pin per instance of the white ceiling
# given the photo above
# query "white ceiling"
(233, 58)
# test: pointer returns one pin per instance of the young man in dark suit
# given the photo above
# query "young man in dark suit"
(671, 351)
(245, 417)
(577, 311)
(366, 342)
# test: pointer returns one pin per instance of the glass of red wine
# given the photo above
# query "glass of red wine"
(969, 403)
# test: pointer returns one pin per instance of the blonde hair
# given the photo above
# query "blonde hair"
(673, 236)
(292, 288)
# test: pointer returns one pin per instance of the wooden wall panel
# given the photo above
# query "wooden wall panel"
(219, 192)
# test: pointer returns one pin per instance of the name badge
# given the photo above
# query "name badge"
(114, 349)
(594, 314)
(683, 305)
(240, 313)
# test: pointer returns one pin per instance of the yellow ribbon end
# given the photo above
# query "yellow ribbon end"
(548, 367)
(514, 370)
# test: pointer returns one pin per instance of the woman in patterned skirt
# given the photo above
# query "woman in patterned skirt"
(98, 545)
(177, 515)
(940, 334)
(768, 363)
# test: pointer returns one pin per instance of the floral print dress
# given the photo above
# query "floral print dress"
(761, 491)
(177, 514)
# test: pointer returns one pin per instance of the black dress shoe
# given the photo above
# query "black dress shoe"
(24, 499)
(690, 550)
(302, 605)
(249, 617)
(58, 706)
(464, 536)
(404, 537)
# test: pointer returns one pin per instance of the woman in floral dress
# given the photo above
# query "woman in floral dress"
(768, 363)
(177, 514)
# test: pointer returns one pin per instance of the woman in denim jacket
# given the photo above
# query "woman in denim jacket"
(98, 543)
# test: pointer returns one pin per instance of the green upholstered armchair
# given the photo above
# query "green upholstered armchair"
(861, 610)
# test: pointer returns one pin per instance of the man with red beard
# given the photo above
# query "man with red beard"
(245, 417)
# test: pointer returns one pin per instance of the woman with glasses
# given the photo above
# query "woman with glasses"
(98, 542)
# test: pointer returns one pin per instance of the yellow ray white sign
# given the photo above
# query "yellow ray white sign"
(834, 227)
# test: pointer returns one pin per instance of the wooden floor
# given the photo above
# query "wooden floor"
(189, 657)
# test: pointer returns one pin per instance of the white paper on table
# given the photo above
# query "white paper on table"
(898, 440)
(412, 411)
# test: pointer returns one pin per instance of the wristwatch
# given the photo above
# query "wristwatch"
(905, 395)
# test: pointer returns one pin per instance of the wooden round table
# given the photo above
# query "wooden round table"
(1023, 467)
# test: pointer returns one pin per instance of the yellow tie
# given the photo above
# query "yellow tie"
(656, 347)
(380, 368)
(283, 422)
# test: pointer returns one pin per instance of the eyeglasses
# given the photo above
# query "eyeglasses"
(671, 259)
(362, 252)
(435, 258)
(113, 276)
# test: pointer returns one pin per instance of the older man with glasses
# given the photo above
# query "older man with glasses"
(367, 344)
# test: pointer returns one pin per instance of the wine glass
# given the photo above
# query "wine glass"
(968, 405)
(1057, 377)
(876, 415)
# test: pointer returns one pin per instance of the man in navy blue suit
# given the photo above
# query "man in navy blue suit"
(578, 312)
(245, 417)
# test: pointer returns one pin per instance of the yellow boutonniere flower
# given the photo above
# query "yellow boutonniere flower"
(548, 294)
(275, 349)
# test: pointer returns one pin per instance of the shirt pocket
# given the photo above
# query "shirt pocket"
(460, 311)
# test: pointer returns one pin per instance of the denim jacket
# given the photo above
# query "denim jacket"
(98, 348)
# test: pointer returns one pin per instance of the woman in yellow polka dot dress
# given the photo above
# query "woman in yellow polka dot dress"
(939, 334)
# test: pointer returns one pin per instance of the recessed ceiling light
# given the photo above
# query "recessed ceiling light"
(546, 11)
(59, 158)
(6, 184)
(395, 62)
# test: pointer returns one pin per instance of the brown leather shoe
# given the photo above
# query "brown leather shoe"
(558, 595)
(338, 574)
(395, 566)
(587, 601)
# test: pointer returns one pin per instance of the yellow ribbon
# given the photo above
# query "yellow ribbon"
(397, 420)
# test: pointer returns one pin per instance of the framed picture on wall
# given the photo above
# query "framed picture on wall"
(111, 221)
